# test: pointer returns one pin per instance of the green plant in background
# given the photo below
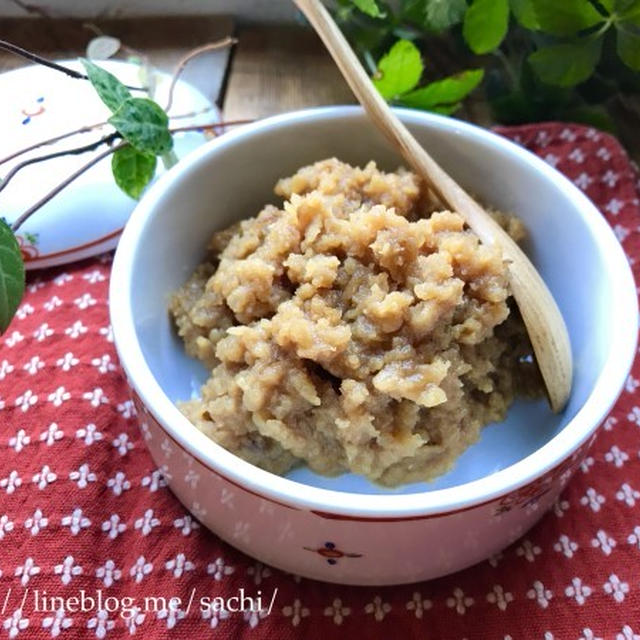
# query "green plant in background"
(540, 59)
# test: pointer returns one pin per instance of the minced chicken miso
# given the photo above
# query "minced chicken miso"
(357, 327)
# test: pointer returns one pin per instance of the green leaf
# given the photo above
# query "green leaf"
(442, 14)
(566, 65)
(399, 70)
(628, 47)
(111, 91)
(485, 24)
(445, 109)
(629, 11)
(133, 170)
(11, 275)
(370, 7)
(565, 17)
(525, 13)
(444, 92)
(143, 124)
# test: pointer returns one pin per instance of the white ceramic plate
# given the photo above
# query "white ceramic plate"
(88, 216)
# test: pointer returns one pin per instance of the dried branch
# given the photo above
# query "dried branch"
(212, 46)
(212, 125)
(56, 190)
(34, 57)
(57, 154)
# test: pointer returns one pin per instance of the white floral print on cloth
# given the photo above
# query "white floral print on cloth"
(82, 506)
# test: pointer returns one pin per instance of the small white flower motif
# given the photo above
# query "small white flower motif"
(93, 276)
(147, 522)
(122, 444)
(632, 383)
(103, 364)
(67, 570)
(6, 525)
(241, 531)
(576, 155)
(76, 521)
(252, 618)
(627, 633)
(51, 435)
(214, 615)
(295, 611)
(583, 181)
(134, 619)
(154, 481)
(44, 477)
(57, 623)
(616, 588)
(628, 495)
(198, 510)
(95, 397)
(84, 301)
(226, 498)
(33, 365)
(127, 409)
(108, 573)
(586, 464)
(588, 634)
(11, 482)
(27, 571)
(560, 506)
(259, 572)
(59, 396)
(67, 361)
(336, 611)
(610, 422)
(604, 541)
(568, 135)
(577, 590)
(540, 594)
(26, 400)
(565, 545)
(5, 369)
(614, 206)
(499, 597)
(76, 330)
(89, 434)
(119, 483)
(15, 623)
(616, 456)
(633, 538)
(592, 134)
(191, 478)
(19, 441)
(166, 447)
(113, 527)
(101, 623)
(140, 569)
(24, 310)
(378, 608)
(603, 153)
(551, 159)
(528, 550)
(43, 332)
(218, 569)
(418, 605)
(542, 138)
(592, 499)
(13, 339)
(171, 615)
(107, 332)
(610, 178)
(186, 524)
(52, 303)
(179, 565)
(459, 601)
(36, 522)
(62, 279)
(82, 476)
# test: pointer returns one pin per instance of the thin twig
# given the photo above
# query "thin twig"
(34, 57)
(212, 46)
(56, 190)
(57, 154)
(211, 125)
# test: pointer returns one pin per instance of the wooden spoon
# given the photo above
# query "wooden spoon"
(544, 322)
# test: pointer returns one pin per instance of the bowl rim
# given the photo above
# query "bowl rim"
(290, 492)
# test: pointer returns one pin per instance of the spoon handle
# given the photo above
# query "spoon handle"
(542, 318)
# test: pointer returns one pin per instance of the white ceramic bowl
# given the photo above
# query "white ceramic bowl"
(345, 529)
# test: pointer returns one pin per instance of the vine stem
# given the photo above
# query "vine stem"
(34, 57)
(56, 190)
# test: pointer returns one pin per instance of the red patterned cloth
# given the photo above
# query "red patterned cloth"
(82, 508)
